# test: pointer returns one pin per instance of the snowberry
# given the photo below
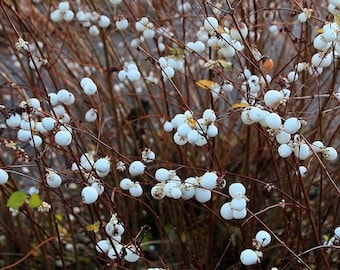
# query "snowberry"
(237, 190)
(255, 114)
(168, 72)
(262, 120)
(183, 129)
(91, 115)
(302, 151)
(292, 76)
(125, 183)
(337, 232)
(303, 171)
(329, 35)
(162, 174)
(59, 110)
(157, 191)
(13, 120)
(23, 135)
(248, 257)
(115, 2)
(245, 117)
(210, 23)
(63, 137)
(282, 137)
(133, 75)
(136, 168)
(122, 24)
(3, 177)
(104, 21)
(201, 141)
(179, 140)
(329, 153)
(86, 161)
(113, 253)
(136, 190)
(148, 33)
(317, 146)
(131, 254)
(27, 125)
(63, 95)
(102, 166)
(209, 180)
(227, 86)
(236, 34)
(167, 126)
(238, 204)
(103, 246)
(35, 141)
(193, 136)
(284, 150)
(122, 75)
(226, 211)
(273, 121)
(48, 123)
(263, 238)
(94, 31)
(209, 115)
(321, 60)
(199, 47)
(53, 179)
(292, 125)
(148, 155)
(320, 43)
(176, 193)
(184, 8)
(89, 195)
(178, 120)
(99, 187)
(300, 67)
(168, 187)
(212, 131)
(188, 189)
(272, 98)
(239, 214)
(302, 17)
(63, 6)
(56, 16)
(90, 88)
(202, 195)
(85, 81)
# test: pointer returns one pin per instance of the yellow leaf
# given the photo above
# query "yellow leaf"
(239, 105)
(206, 84)
(93, 227)
(176, 51)
(220, 29)
(337, 18)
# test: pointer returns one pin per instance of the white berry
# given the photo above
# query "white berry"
(89, 195)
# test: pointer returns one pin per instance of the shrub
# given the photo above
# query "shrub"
(169, 134)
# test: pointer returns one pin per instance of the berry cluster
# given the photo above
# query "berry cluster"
(251, 256)
(192, 130)
(236, 208)
(171, 186)
(113, 247)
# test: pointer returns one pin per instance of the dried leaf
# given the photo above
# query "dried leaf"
(205, 84)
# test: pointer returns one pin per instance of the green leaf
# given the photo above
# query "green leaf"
(35, 200)
(17, 199)
(59, 217)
